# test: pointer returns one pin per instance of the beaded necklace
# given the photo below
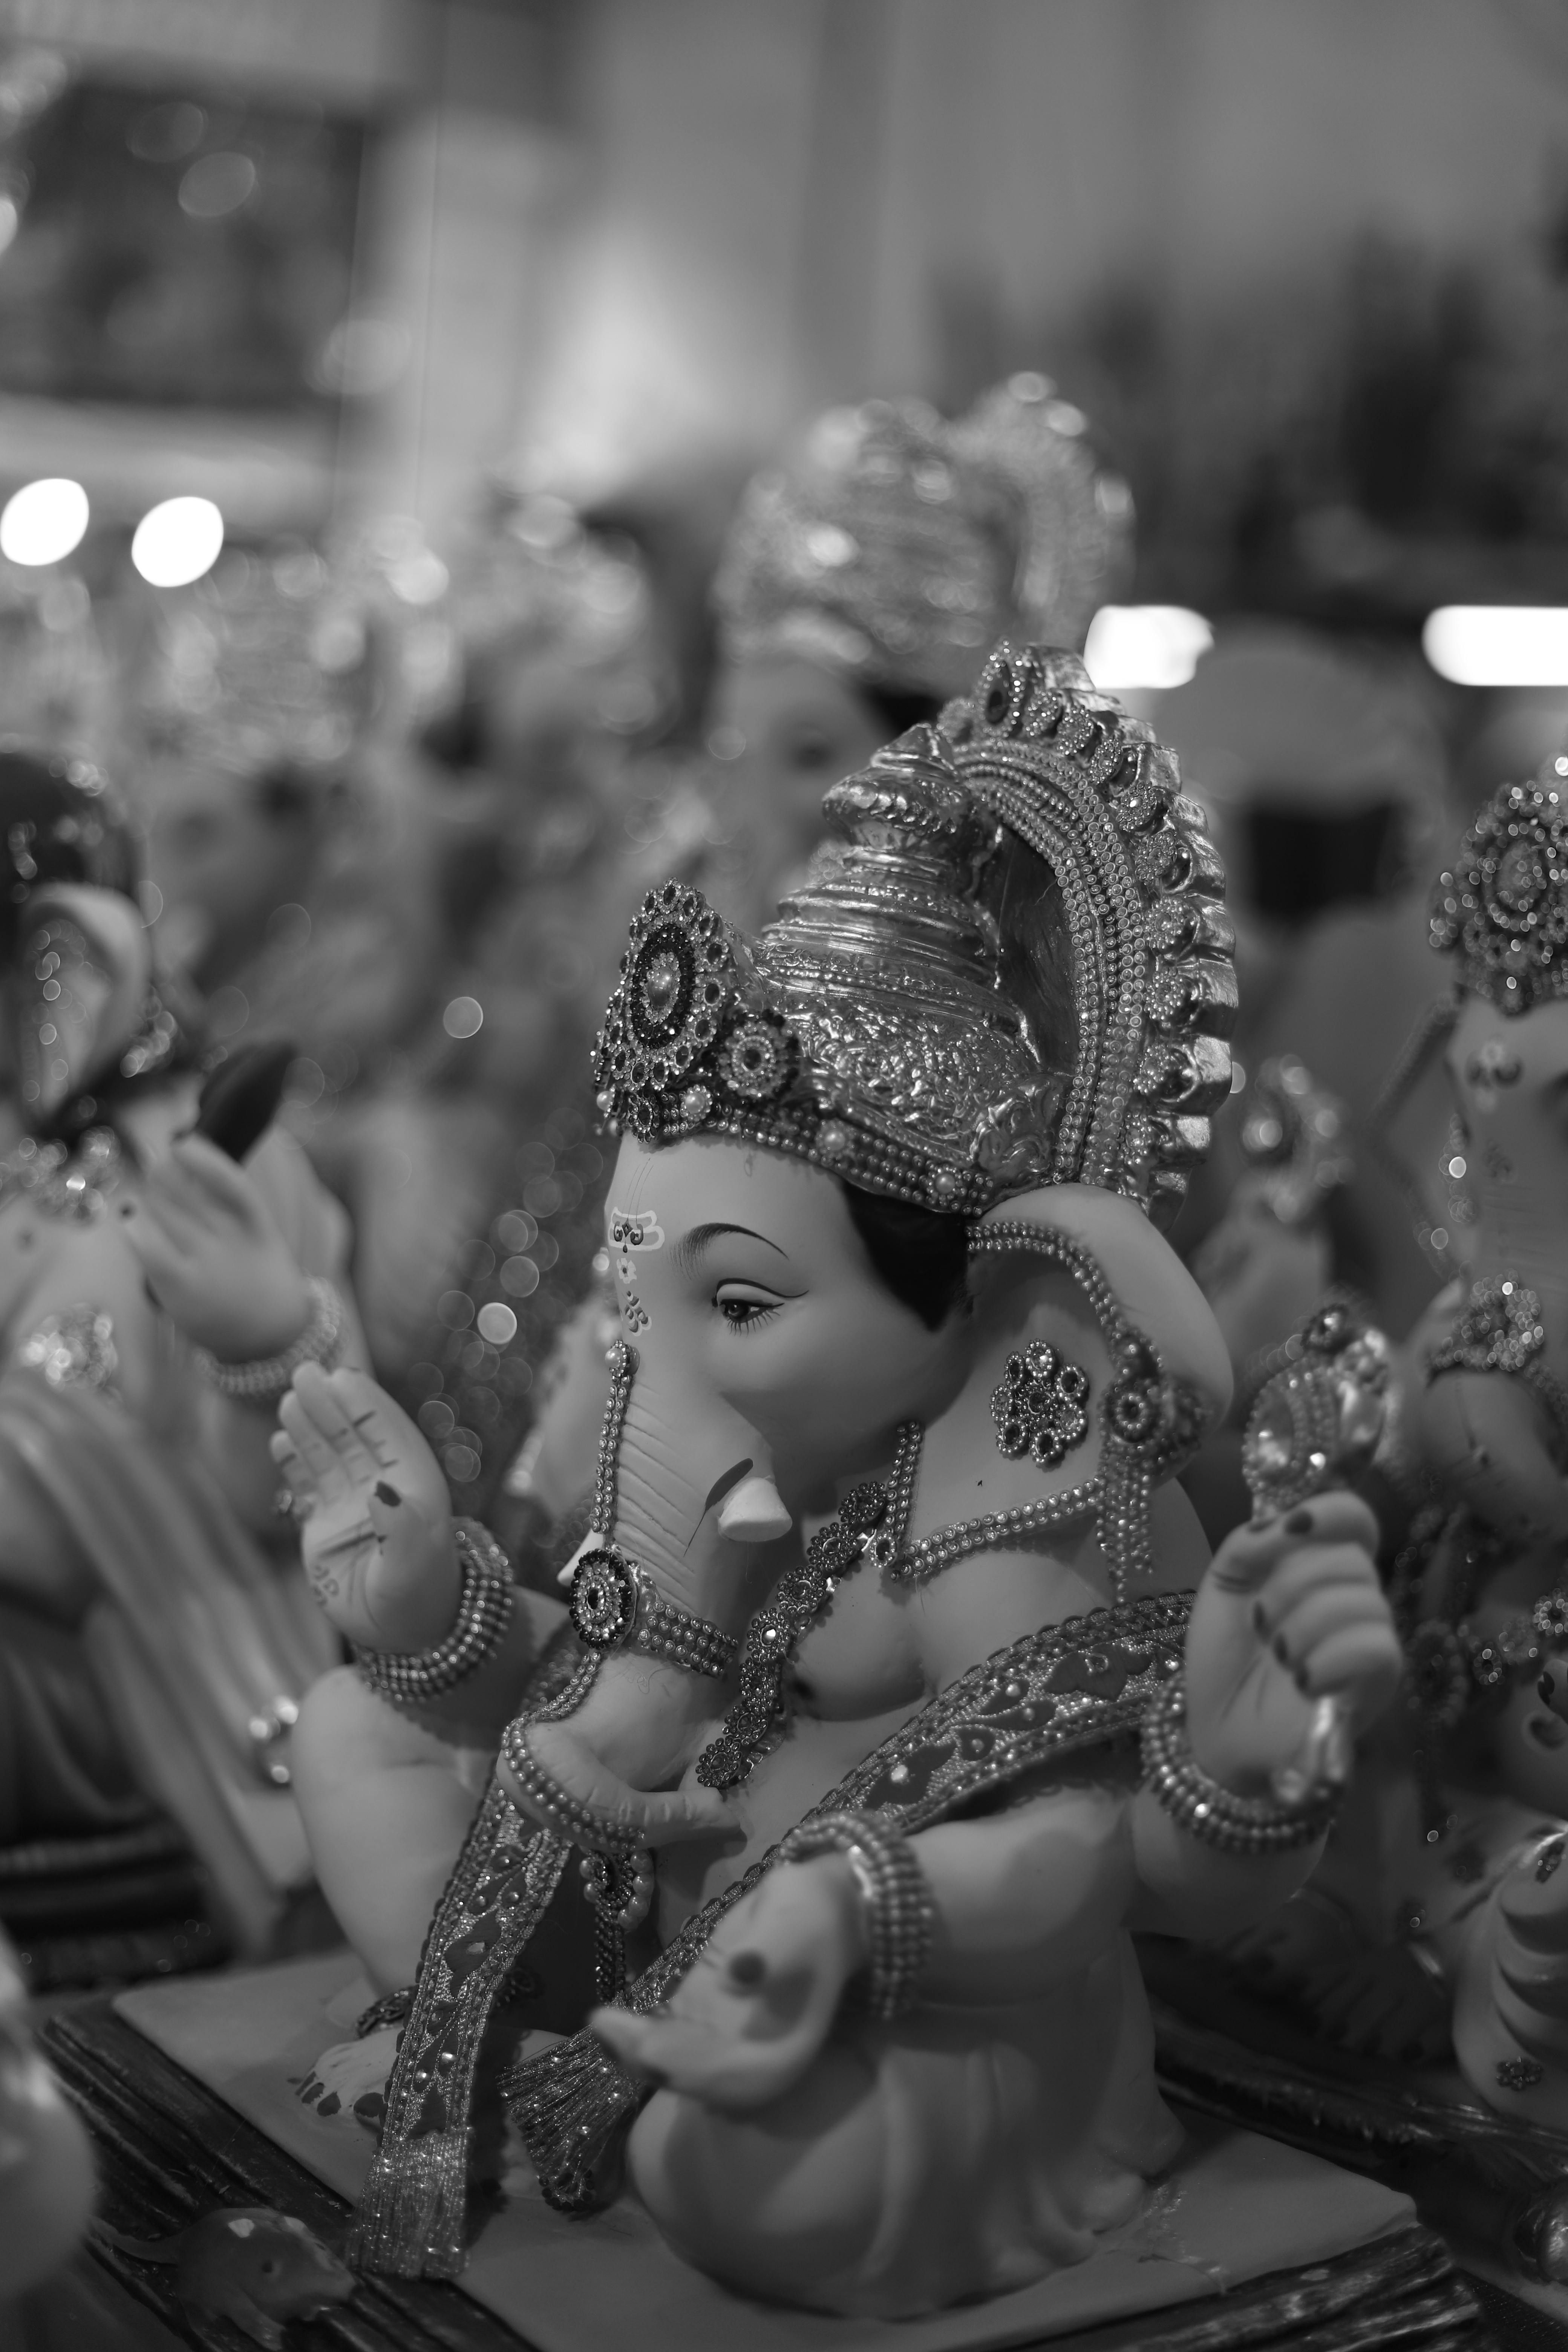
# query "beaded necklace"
(869, 1521)
(1150, 1423)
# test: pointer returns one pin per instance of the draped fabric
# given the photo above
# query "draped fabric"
(148, 1638)
(193, 1638)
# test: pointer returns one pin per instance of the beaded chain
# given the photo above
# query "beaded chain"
(613, 1603)
(992, 1531)
(484, 1614)
(1207, 1810)
(892, 1888)
(622, 1360)
(1150, 1423)
(871, 1520)
(618, 1889)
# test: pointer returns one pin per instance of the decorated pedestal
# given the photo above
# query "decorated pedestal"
(191, 2092)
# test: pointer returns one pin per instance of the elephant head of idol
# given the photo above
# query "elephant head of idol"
(995, 1011)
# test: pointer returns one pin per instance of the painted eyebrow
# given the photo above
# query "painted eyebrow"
(692, 1244)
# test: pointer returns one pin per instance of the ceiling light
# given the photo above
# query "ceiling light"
(1498, 645)
(177, 541)
(44, 521)
(1147, 647)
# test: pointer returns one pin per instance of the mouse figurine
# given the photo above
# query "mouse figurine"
(248, 2263)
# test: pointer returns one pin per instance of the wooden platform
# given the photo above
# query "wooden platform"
(168, 2149)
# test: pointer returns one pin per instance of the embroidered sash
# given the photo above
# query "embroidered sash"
(1083, 1684)
(411, 2215)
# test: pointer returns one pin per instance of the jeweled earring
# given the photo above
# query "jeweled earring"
(1041, 1405)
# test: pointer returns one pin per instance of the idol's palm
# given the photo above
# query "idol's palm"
(375, 1520)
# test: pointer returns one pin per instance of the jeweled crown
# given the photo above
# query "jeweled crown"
(895, 546)
(1010, 966)
(1501, 910)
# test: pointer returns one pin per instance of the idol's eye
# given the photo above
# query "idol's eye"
(744, 1305)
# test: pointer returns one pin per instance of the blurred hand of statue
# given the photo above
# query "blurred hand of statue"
(756, 2007)
(1290, 1613)
(376, 1524)
(213, 1257)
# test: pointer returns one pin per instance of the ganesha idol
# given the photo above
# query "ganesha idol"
(899, 1686)
(155, 1296)
(1426, 1961)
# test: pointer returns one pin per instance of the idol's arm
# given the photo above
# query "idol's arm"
(1016, 1902)
(1186, 1888)
(387, 1791)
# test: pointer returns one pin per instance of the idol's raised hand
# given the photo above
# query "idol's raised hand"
(213, 1257)
(1290, 1614)
(375, 1522)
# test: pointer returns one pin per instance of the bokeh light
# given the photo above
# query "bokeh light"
(177, 541)
(44, 521)
(464, 1017)
(217, 184)
(1498, 645)
(1152, 647)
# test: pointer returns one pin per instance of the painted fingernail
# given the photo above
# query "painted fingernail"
(1546, 1686)
(1299, 1523)
(385, 1493)
(748, 1969)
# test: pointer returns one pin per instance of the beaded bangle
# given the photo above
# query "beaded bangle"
(556, 1806)
(1501, 1331)
(1253, 1825)
(320, 1342)
(893, 1890)
(484, 1613)
(614, 1606)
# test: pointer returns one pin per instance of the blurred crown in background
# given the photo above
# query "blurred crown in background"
(1502, 908)
(265, 666)
(534, 584)
(897, 547)
(57, 683)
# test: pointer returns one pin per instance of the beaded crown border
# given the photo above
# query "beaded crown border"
(1096, 796)
(873, 1030)
(1502, 908)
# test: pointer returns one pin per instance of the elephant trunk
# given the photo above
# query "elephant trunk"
(696, 1519)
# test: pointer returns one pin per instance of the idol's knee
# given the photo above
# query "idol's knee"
(783, 2202)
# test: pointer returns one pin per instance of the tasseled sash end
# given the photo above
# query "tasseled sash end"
(411, 2217)
(574, 2108)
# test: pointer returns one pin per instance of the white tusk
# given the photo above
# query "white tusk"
(754, 1513)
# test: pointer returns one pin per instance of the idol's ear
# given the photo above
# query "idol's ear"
(1151, 1285)
(83, 968)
